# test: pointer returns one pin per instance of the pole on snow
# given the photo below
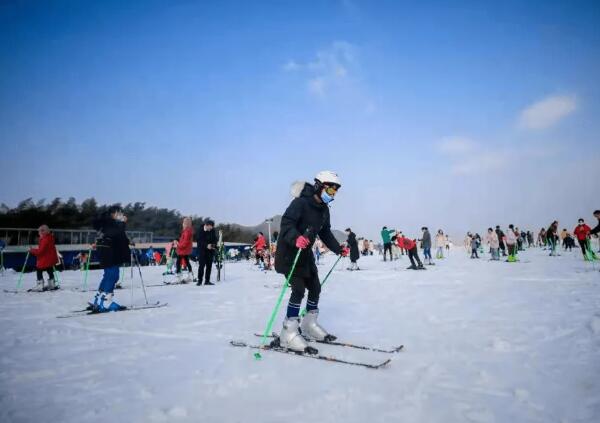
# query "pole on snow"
(137, 263)
(56, 275)
(303, 312)
(277, 305)
(87, 269)
(22, 271)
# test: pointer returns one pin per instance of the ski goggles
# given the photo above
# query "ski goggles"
(331, 189)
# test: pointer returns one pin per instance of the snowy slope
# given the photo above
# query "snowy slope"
(484, 342)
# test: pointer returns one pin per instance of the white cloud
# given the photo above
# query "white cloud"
(456, 145)
(547, 112)
(481, 163)
(330, 67)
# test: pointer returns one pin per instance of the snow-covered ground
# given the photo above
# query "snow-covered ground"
(484, 342)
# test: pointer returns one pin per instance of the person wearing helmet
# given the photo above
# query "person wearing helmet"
(306, 217)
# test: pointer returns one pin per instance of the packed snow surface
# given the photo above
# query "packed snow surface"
(484, 342)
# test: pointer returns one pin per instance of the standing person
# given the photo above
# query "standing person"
(207, 242)
(259, 246)
(426, 243)
(440, 242)
(492, 240)
(511, 243)
(552, 237)
(582, 232)
(386, 236)
(411, 249)
(501, 237)
(184, 250)
(353, 245)
(317, 251)
(306, 217)
(371, 247)
(474, 247)
(46, 259)
(113, 250)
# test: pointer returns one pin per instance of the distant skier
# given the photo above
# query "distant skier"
(582, 232)
(184, 250)
(501, 237)
(207, 242)
(46, 259)
(474, 246)
(552, 237)
(259, 246)
(112, 246)
(426, 244)
(441, 241)
(492, 240)
(511, 243)
(353, 245)
(411, 248)
(306, 217)
(386, 237)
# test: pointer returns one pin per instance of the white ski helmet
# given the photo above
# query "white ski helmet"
(328, 177)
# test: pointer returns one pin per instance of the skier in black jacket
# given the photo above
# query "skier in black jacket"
(306, 217)
(501, 240)
(207, 242)
(112, 246)
(353, 245)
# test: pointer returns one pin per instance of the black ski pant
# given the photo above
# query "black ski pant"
(582, 244)
(387, 247)
(40, 273)
(204, 267)
(186, 261)
(413, 254)
(503, 248)
(299, 284)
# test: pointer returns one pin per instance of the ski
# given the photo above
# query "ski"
(315, 356)
(346, 344)
(32, 291)
(86, 312)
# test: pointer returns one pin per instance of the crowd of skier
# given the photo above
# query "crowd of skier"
(304, 235)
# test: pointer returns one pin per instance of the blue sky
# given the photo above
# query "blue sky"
(457, 115)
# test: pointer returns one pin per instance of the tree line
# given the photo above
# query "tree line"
(59, 214)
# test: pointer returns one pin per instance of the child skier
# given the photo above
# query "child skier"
(46, 259)
(306, 217)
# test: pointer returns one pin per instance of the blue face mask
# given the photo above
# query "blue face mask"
(326, 197)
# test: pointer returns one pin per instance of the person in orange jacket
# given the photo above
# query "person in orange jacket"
(46, 259)
(184, 250)
(260, 244)
(411, 247)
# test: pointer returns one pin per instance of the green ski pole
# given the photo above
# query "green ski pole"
(22, 270)
(257, 355)
(303, 312)
(87, 268)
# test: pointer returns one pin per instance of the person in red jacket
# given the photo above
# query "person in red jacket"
(46, 259)
(411, 247)
(184, 250)
(582, 232)
(260, 245)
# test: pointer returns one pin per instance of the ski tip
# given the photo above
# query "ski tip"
(400, 348)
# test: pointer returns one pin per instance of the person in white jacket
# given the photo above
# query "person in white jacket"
(494, 243)
(440, 244)
(511, 241)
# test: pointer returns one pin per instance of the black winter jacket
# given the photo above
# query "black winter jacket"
(204, 239)
(112, 243)
(353, 245)
(304, 213)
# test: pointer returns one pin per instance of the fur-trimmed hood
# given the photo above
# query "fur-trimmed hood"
(302, 189)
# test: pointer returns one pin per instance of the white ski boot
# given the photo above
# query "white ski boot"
(291, 339)
(178, 278)
(39, 286)
(189, 277)
(312, 330)
(51, 285)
